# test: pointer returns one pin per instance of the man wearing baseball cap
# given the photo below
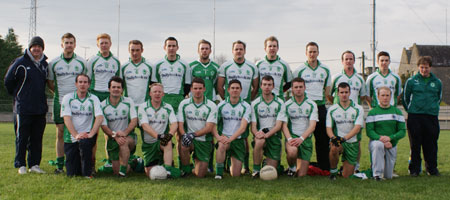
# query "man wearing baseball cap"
(25, 81)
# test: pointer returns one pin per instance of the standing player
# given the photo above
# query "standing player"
(273, 66)
(268, 115)
(302, 118)
(383, 77)
(82, 118)
(159, 123)
(247, 73)
(344, 121)
(102, 67)
(318, 84)
(233, 115)
(206, 69)
(136, 73)
(119, 123)
(196, 119)
(385, 127)
(61, 74)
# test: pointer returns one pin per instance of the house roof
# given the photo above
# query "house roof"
(439, 53)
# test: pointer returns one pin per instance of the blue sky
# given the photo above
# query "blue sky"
(335, 25)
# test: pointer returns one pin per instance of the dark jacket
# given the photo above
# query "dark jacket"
(25, 81)
(421, 96)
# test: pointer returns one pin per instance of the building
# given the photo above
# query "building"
(440, 55)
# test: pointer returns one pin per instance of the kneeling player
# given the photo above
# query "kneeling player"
(268, 115)
(344, 121)
(120, 121)
(159, 122)
(302, 118)
(196, 119)
(233, 117)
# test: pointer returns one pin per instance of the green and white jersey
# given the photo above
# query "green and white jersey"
(208, 72)
(159, 119)
(172, 74)
(316, 81)
(357, 86)
(137, 79)
(229, 116)
(245, 73)
(196, 116)
(266, 114)
(300, 114)
(377, 80)
(64, 72)
(343, 120)
(278, 69)
(83, 113)
(385, 121)
(101, 69)
(119, 116)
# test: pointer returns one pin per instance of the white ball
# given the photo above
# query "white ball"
(158, 172)
(268, 173)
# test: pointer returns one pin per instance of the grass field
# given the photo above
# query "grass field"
(137, 186)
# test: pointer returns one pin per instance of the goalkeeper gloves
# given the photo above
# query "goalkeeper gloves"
(187, 139)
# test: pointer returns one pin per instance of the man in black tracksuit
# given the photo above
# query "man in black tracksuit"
(25, 81)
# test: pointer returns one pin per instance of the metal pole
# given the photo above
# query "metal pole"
(363, 58)
(214, 32)
(373, 35)
(118, 33)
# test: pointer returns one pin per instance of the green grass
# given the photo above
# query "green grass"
(137, 186)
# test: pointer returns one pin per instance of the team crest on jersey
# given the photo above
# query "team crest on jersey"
(240, 71)
(197, 113)
(140, 116)
(248, 72)
(357, 84)
(350, 82)
(212, 73)
(322, 75)
(179, 70)
(233, 113)
(314, 75)
(300, 111)
(124, 112)
(392, 82)
(106, 65)
(278, 69)
(163, 116)
(353, 116)
(144, 72)
(204, 115)
(240, 113)
(432, 84)
(115, 113)
(307, 111)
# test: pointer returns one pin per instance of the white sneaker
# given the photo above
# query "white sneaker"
(22, 170)
(218, 177)
(36, 169)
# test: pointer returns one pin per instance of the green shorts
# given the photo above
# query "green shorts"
(272, 147)
(350, 153)
(113, 147)
(202, 150)
(101, 95)
(237, 149)
(304, 151)
(152, 153)
(57, 111)
(245, 134)
(174, 100)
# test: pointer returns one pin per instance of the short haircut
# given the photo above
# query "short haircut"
(170, 39)
(344, 85)
(348, 51)
(198, 80)
(79, 75)
(103, 36)
(203, 41)
(298, 80)
(156, 84)
(115, 79)
(267, 78)
(271, 38)
(425, 60)
(235, 81)
(383, 88)
(383, 53)
(312, 44)
(68, 35)
(239, 42)
(135, 42)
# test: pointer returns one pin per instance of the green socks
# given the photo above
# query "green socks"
(123, 170)
(219, 168)
(60, 162)
(256, 167)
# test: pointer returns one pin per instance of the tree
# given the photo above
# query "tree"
(220, 59)
(10, 49)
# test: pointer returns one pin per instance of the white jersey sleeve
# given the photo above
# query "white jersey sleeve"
(65, 106)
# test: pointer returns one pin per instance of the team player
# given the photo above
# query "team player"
(119, 122)
(344, 121)
(61, 75)
(197, 117)
(302, 117)
(102, 67)
(82, 118)
(383, 77)
(206, 69)
(247, 73)
(385, 127)
(268, 115)
(318, 84)
(273, 65)
(233, 115)
(136, 73)
(159, 123)
(174, 73)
